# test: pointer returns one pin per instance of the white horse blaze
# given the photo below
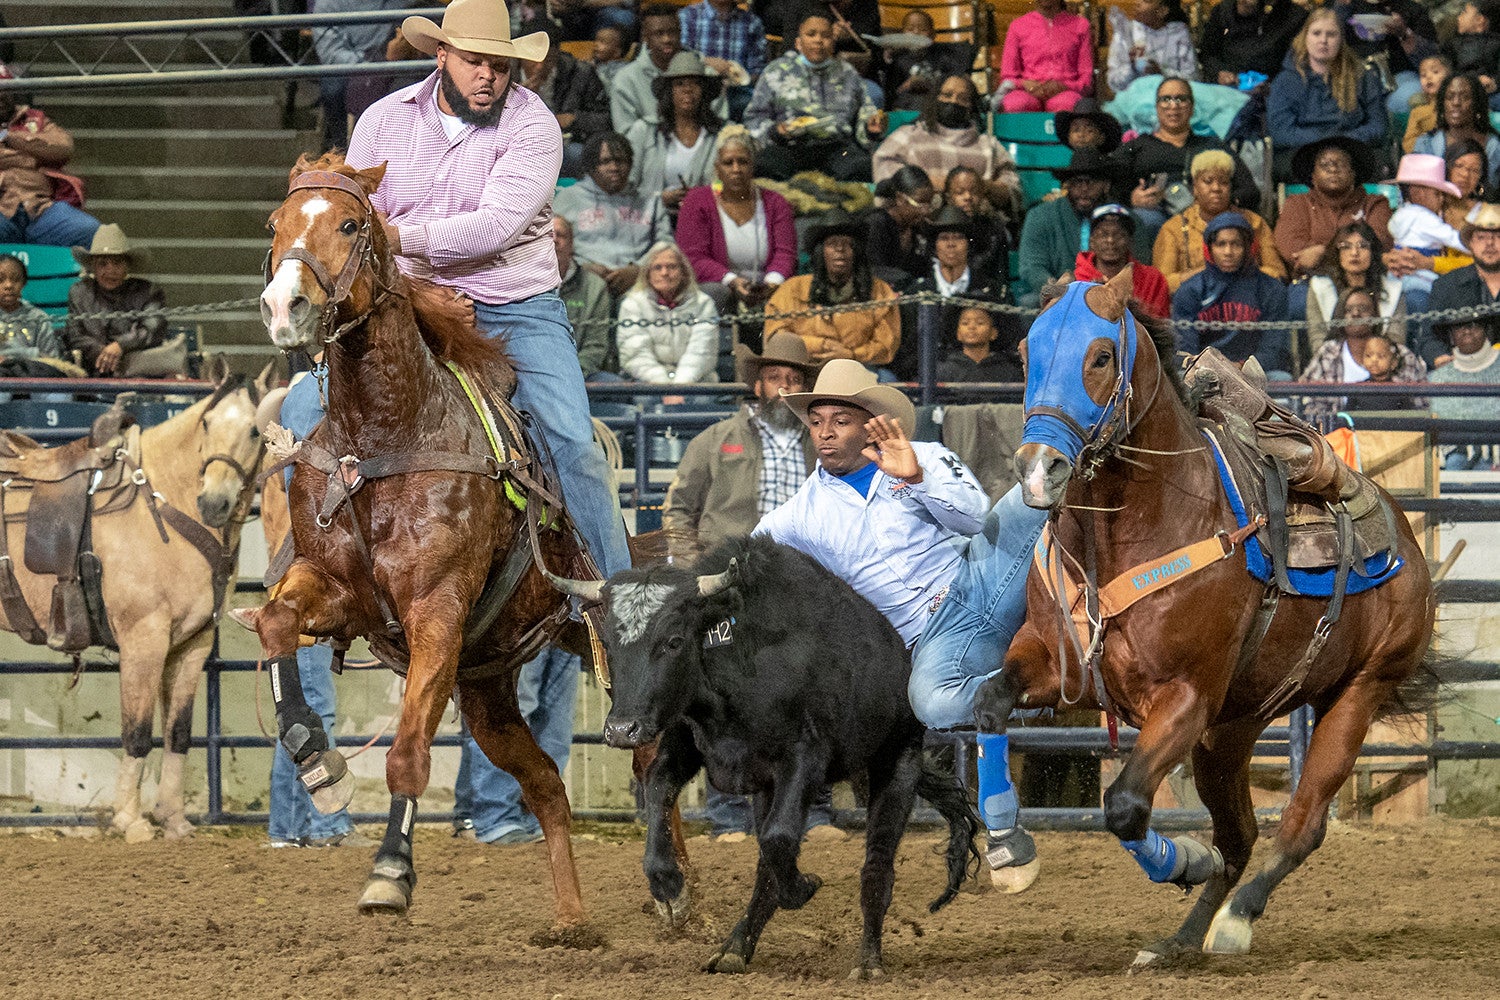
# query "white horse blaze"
(286, 283)
(1036, 479)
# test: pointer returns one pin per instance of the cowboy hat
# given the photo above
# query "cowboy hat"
(950, 219)
(688, 65)
(1482, 217)
(1088, 162)
(1304, 159)
(844, 380)
(782, 348)
(1087, 109)
(481, 26)
(109, 241)
(1425, 170)
(834, 222)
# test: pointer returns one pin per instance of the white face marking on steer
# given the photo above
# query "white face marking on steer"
(632, 606)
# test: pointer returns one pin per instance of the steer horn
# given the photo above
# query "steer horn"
(711, 585)
(588, 590)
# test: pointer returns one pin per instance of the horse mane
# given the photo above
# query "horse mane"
(446, 321)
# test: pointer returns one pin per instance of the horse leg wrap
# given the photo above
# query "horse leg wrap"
(1180, 860)
(301, 728)
(393, 877)
(998, 804)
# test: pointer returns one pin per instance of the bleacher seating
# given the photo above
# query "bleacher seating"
(52, 272)
(1026, 126)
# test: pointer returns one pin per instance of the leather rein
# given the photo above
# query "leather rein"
(362, 255)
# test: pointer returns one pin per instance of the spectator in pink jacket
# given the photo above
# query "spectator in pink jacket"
(740, 239)
(1048, 62)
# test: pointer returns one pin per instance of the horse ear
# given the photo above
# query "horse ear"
(269, 376)
(370, 177)
(1110, 299)
(216, 369)
(302, 166)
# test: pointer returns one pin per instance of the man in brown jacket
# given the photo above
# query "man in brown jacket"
(733, 473)
(31, 145)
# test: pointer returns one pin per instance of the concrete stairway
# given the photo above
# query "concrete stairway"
(190, 173)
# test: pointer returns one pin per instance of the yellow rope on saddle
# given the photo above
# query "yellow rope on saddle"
(515, 496)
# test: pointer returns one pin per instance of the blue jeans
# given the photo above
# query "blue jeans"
(965, 643)
(547, 690)
(60, 225)
(731, 813)
(293, 815)
(549, 386)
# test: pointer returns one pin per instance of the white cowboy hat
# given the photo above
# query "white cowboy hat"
(1483, 216)
(481, 26)
(844, 380)
(109, 241)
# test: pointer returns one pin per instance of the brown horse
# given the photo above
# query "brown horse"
(161, 592)
(1103, 397)
(403, 554)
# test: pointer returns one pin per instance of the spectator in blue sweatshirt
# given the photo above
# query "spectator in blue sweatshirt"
(1323, 89)
(1232, 288)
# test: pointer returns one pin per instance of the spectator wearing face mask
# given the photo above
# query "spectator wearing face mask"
(948, 135)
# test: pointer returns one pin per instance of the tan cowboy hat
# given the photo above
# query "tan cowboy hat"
(481, 26)
(109, 241)
(844, 380)
(782, 348)
(1482, 216)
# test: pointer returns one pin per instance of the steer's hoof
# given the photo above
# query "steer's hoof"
(867, 973)
(728, 962)
(384, 895)
(674, 913)
(1228, 934)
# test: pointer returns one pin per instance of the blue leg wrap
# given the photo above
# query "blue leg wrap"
(998, 805)
(1157, 855)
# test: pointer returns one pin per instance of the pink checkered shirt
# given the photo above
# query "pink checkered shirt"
(475, 214)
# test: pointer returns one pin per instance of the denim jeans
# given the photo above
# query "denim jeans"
(731, 813)
(293, 815)
(965, 643)
(60, 225)
(547, 690)
(549, 386)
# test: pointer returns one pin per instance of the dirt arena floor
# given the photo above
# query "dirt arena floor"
(1379, 912)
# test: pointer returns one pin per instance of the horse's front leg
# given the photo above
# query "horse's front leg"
(143, 650)
(179, 685)
(307, 603)
(434, 631)
(1178, 718)
(676, 761)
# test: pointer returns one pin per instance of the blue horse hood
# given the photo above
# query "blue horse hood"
(1059, 412)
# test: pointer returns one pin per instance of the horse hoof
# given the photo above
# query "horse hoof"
(579, 937)
(1228, 934)
(384, 895)
(674, 913)
(121, 821)
(331, 798)
(139, 831)
(177, 828)
(1016, 878)
(867, 974)
(727, 963)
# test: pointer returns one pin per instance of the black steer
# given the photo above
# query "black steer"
(779, 678)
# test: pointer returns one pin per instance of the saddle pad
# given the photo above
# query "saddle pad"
(1365, 575)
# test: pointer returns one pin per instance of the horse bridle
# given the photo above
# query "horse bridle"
(362, 254)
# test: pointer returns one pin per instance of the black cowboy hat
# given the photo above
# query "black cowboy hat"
(1088, 163)
(688, 64)
(1087, 108)
(950, 219)
(834, 222)
(1366, 169)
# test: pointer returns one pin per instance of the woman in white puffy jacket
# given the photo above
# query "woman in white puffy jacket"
(669, 328)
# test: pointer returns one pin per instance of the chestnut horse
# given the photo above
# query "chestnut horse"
(403, 556)
(163, 590)
(1113, 449)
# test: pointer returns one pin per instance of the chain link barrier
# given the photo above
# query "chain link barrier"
(912, 298)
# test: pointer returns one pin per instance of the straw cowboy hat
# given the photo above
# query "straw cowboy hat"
(109, 241)
(844, 380)
(481, 26)
(782, 348)
(1482, 217)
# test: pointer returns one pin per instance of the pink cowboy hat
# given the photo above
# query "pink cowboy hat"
(1425, 170)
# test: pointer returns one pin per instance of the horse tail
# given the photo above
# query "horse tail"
(1429, 687)
(938, 783)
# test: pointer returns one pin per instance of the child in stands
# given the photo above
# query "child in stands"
(1432, 71)
(609, 54)
(1419, 224)
(977, 359)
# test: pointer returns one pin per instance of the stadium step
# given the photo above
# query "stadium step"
(129, 181)
(145, 109)
(166, 147)
(168, 217)
(183, 289)
(192, 254)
